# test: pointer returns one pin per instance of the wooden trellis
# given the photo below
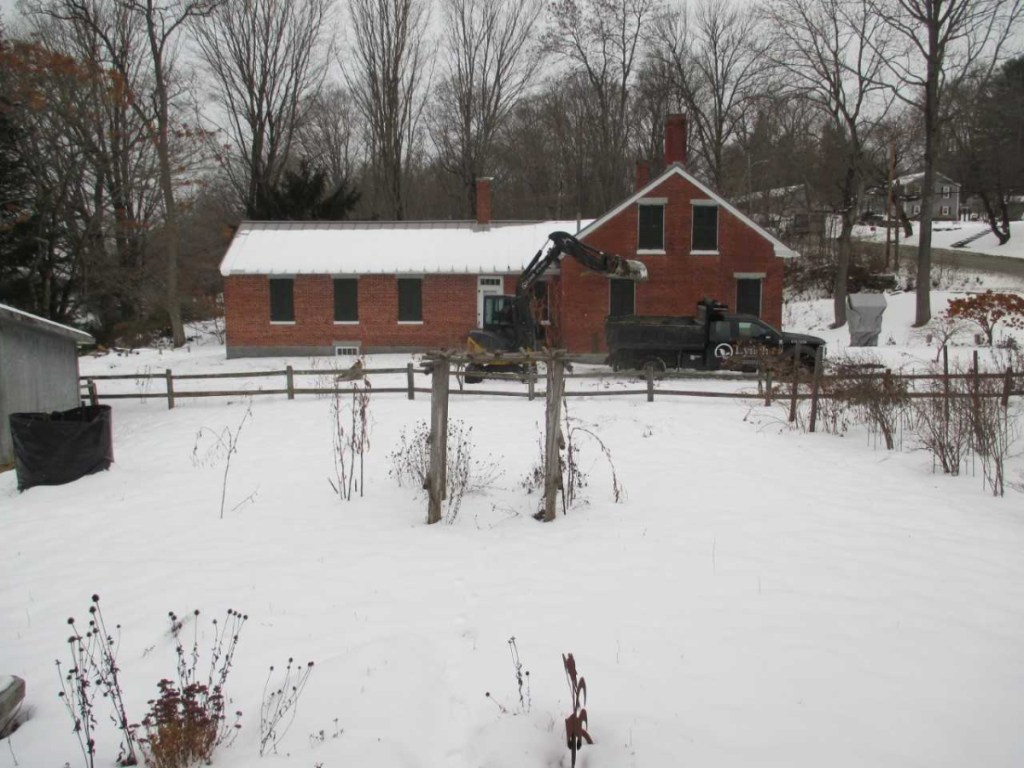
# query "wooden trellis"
(439, 366)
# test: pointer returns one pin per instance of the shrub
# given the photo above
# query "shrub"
(576, 723)
(410, 463)
(188, 721)
(943, 424)
(987, 310)
(280, 703)
(212, 446)
(351, 439)
(863, 393)
(94, 668)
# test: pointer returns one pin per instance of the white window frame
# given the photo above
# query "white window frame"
(718, 227)
(651, 202)
(347, 348)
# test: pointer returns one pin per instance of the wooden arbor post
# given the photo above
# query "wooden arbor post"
(437, 473)
(553, 434)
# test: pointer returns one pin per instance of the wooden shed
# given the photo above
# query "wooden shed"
(38, 369)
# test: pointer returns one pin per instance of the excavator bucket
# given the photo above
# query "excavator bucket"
(632, 270)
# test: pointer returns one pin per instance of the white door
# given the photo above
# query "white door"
(485, 286)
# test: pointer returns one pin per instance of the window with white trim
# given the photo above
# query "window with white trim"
(346, 300)
(650, 227)
(410, 299)
(282, 300)
(705, 227)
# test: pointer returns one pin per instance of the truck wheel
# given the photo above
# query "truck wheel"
(473, 374)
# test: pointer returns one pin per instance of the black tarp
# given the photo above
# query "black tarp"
(59, 447)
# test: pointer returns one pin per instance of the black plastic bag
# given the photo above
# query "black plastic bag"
(59, 447)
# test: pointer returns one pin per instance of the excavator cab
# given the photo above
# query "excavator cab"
(500, 314)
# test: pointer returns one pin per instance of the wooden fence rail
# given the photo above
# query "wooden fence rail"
(650, 384)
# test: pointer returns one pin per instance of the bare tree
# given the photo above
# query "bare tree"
(93, 169)
(822, 47)
(328, 135)
(268, 59)
(602, 41)
(152, 92)
(488, 64)
(945, 42)
(387, 76)
(715, 57)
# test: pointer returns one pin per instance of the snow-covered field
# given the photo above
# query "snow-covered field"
(945, 233)
(760, 597)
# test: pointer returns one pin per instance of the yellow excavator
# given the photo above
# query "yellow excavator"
(509, 325)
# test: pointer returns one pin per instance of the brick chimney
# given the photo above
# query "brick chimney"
(675, 139)
(483, 201)
(643, 174)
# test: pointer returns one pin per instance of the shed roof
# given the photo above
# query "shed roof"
(386, 247)
(27, 319)
(781, 249)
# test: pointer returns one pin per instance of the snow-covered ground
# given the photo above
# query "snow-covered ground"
(761, 596)
(945, 233)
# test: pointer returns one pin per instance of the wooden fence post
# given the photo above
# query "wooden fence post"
(437, 474)
(289, 375)
(1007, 385)
(815, 386)
(649, 369)
(945, 390)
(768, 385)
(170, 388)
(531, 381)
(796, 382)
(410, 381)
(94, 397)
(552, 443)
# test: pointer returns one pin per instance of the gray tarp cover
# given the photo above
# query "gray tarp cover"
(865, 318)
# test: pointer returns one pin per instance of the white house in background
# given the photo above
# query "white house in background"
(945, 200)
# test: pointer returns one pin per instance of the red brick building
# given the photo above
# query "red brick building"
(305, 288)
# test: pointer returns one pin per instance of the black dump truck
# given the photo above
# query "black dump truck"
(712, 339)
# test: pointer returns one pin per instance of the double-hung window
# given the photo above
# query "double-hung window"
(704, 238)
(282, 300)
(410, 300)
(651, 225)
(346, 300)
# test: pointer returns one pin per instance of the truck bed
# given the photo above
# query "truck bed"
(653, 332)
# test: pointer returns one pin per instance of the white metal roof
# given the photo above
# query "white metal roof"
(781, 249)
(35, 321)
(386, 247)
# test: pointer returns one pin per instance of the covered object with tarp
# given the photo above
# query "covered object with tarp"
(59, 447)
(864, 316)
(38, 369)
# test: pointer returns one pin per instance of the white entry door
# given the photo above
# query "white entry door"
(485, 286)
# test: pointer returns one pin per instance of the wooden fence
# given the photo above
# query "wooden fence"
(442, 367)
(650, 383)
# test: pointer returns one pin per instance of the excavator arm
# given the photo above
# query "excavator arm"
(517, 329)
(563, 244)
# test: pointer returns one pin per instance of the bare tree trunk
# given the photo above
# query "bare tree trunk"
(387, 79)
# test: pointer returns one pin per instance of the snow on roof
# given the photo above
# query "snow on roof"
(781, 249)
(386, 247)
(910, 178)
(27, 318)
